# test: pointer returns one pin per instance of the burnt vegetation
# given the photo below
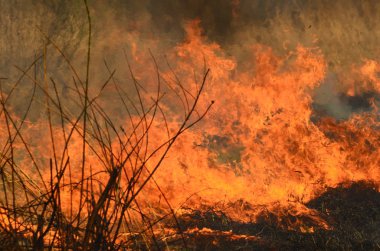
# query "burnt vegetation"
(61, 203)
(56, 210)
(352, 211)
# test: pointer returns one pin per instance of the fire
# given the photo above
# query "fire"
(257, 144)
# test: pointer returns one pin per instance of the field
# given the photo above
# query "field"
(202, 142)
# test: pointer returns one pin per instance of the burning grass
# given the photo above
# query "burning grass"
(84, 195)
(73, 181)
(352, 212)
(119, 165)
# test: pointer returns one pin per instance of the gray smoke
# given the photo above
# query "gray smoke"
(344, 30)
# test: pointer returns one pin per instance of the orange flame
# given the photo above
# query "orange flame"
(257, 144)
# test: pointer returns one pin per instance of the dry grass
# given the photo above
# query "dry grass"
(36, 213)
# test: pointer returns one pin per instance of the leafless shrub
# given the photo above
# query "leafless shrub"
(34, 214)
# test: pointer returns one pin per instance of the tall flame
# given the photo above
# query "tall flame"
(258, 143)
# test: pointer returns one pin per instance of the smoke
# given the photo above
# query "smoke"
(330, 100)
(344, 31)
(268, 60)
